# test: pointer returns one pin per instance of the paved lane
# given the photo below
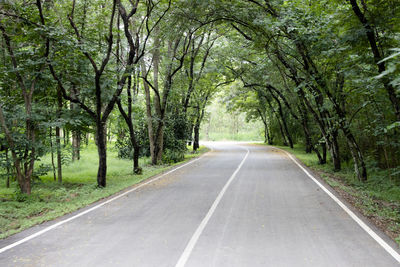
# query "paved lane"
(271, 214)
(274, 215)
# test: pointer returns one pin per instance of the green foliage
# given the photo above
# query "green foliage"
(125, 149)
(176, 135)
(174, 155)
(221, 124)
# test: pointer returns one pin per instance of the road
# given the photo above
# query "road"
(238, 205)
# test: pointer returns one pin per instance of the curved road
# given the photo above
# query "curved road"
(238, 205)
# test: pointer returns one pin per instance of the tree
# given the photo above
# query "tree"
(104, 101)
(22, 139)
(177, 48)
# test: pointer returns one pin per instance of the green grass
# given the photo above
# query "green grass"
(50, 200)
(378, 198)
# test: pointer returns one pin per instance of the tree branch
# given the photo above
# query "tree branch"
(66, 96)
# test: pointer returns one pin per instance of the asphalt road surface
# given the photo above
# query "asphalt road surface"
(238, 205)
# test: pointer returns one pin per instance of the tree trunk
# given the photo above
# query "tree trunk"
(8, 170)
(324, 151)
(335, 151)
(265, 134)
(87, 139)
(201, 110)
(285, 143)
(135, 145)
(59, 158)
(149, 120)
(128, 120)
(158, 103)
(65, 141)
(320, 158)
(359, 163)
(270, 137)
(159, 143)
(109, 135)
(329, 136)
(191, 134)
(76, 145)
(289, 136)
(308, 141)
(26, 185)
(196, 142)
(307, 133)
(281, 114)
(52, 153)
(136, 150)
(76, 134)
(149, 116)
(59, 109)
(102, 151)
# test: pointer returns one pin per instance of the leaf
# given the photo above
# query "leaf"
(393, 125)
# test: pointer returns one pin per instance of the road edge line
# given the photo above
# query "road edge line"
(195, 237)
(360, 222)
(51, 227)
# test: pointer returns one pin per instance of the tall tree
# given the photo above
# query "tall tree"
(23, 145)
(104, 100)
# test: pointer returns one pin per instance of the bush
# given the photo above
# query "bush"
(176, 133)
(175, 136)
(173, 156)
(124, 147)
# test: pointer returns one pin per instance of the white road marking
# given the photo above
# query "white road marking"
(366, 228)
(189, 247)
(93, 208)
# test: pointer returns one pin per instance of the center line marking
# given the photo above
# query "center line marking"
(189, 247)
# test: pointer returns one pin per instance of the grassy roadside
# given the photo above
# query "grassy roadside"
(378, 199)
(50, 200)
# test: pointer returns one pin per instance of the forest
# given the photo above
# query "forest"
(137, 77)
